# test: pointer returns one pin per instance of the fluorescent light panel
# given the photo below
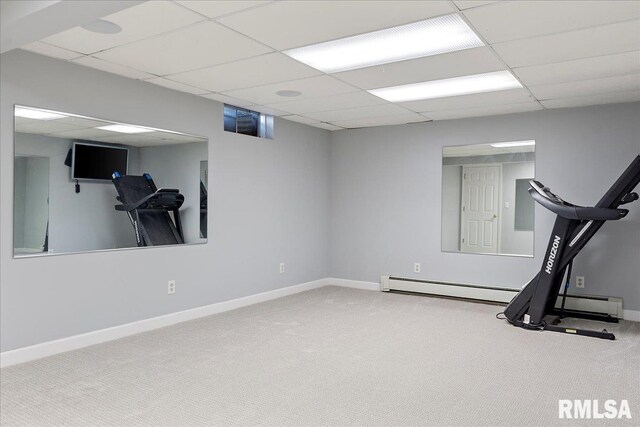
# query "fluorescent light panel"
(513, 144)
(125, 129)
(465, 85)
(434, 36)
(31, 113)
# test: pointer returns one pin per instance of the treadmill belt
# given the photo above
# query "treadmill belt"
(158, 228)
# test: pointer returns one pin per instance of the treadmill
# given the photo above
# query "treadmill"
(148, 209)
(203, 210)
(534, 306)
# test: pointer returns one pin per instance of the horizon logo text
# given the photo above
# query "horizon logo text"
(590, 409)
(552, 255)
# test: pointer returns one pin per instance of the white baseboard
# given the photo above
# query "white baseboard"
(76, 342)
(50, 348)
(356, 284)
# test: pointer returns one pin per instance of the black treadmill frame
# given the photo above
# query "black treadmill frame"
(133, 210)
(534, 306)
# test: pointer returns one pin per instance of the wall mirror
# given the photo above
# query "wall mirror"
(486, 207)
(86, 184)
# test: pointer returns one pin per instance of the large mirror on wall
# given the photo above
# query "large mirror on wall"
(486, 207)
(87, 184)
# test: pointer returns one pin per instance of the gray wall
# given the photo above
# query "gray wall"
(36, 204)
(386, 192)
(268, 204)
(451, 203)
(20, 195)
(514, 241)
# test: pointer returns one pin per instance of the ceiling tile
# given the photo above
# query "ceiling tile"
(311, 122)
(200, 45)
(485, 111)
(512, 96)
(50, 50)
(161, 81)
(327, 103)
(580, 69)
(288, 24)
(83, 133)
(137, 22)
(110, 67)
(257, 71)
(454, 64)
(603, 98)
(300, 119)
(468, 4)
(82, 122)
(42, 126)
(151, 139)
(381, 121)
(358, 113)
(228, 99)
(312, 87)
(587, 87)
(326, 126)
(267, 110)
(214, 9)
(512, 20)
(595, 41)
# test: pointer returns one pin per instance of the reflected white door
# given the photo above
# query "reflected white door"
(479, 228)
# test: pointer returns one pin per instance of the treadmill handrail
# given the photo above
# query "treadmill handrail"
(174, 198)
(555, 204)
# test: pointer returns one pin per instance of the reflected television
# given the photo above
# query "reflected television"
(98, 162)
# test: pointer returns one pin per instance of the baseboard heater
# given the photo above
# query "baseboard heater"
(596, 304)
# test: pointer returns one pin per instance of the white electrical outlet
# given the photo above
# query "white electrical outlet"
(580, 282)
(171, 287)
(281, 267)
(416, 267)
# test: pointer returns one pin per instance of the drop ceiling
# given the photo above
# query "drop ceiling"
(565, 54)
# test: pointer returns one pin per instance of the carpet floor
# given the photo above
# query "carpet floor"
(331, 356)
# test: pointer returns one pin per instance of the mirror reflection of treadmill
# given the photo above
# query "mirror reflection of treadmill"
(148, 209)
(203, 210)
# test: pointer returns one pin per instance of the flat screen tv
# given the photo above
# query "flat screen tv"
(98, 162)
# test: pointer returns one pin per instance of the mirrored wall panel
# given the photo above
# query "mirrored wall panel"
(87, 184)
(486, 207)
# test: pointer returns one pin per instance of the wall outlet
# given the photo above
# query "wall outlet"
(171, 287)
(416, 267)
(281, 267)
(580, 282)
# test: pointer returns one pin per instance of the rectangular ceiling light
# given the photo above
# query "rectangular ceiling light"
(465, 85)
(125, 129)
(513, 144)
(443, 34)
(31, 113)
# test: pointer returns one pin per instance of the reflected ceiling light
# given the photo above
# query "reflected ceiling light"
(102, 26)
(434, 36)
(465, 85)
(513, 144)
(125, 129)
(30, 113)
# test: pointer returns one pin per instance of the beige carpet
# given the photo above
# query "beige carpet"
(331, 356)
